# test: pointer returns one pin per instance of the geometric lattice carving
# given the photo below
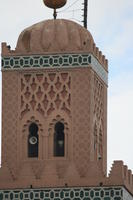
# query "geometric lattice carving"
(99, 116)
(98, 98)
(84, 193)
(45, 92)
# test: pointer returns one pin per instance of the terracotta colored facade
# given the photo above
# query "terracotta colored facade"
(56, 76)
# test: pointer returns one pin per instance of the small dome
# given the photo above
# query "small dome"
(54, 36)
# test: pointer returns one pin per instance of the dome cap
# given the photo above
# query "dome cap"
(54, 36)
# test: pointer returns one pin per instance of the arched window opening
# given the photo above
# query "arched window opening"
(59, 139)
(33, 141)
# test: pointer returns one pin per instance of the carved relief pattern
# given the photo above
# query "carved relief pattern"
(9, 121)
(99, 114)
(45, 92)
(27, 124)
(80, 129)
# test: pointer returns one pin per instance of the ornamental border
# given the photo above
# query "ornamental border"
(81, 193)
(54, 61)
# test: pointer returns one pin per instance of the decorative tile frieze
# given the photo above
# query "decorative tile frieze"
(54, 61)
(16, 62)
(86, 193)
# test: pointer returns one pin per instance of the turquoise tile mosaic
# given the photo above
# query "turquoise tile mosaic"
(55, 61)
(82, 193)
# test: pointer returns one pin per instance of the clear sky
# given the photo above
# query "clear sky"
(111, 24)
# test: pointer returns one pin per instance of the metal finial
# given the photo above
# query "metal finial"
(55, 14)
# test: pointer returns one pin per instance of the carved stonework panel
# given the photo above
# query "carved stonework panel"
(45, 93)
(98, 98)
(98, 116)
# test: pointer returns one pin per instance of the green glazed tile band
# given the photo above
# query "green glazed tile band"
(80, 193)
(55, 61)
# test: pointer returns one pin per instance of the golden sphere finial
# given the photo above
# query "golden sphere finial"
(54, 3)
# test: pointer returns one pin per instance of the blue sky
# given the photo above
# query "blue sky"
(111, 24)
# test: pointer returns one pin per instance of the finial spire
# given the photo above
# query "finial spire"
(55, 4)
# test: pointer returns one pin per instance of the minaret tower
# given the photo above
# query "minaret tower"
(54, 110)
(54, 116)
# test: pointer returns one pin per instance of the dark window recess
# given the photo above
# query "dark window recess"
(33, 141)
(59, 139)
